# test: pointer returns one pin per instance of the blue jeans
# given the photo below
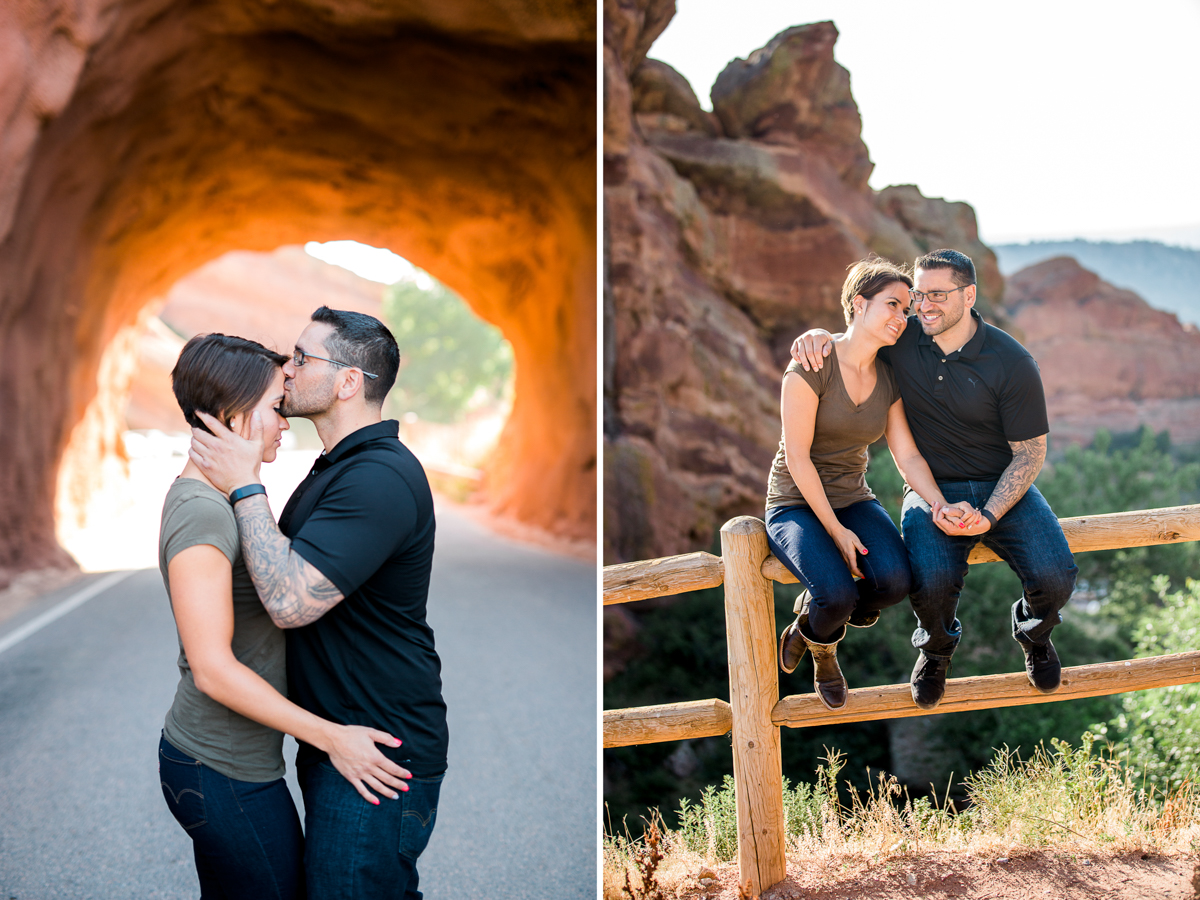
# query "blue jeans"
(798, 538)
(245, 835)
(359, 850)
(1028, 537)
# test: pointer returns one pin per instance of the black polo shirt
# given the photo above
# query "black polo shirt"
(364, 518)
(964, 407)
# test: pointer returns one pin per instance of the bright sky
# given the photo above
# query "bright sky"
(372, 263)
(1051, 118)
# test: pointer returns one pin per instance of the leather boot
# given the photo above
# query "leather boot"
(828, 680)
(791, 642)
(863, 619)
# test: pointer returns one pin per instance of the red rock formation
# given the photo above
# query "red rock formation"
(1108, 359)
(267, 297)
(721, 246)
(144, 138)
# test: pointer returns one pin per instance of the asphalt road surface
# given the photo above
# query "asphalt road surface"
(82, 702)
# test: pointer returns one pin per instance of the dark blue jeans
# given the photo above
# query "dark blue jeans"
(798, 538)
(356, 849)
(1028, 537)
(245, 835)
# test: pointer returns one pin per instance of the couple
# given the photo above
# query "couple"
(338, 587)
(962, 407)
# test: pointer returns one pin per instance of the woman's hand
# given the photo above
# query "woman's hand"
(849, 545)
(960, 519)
(353, 753)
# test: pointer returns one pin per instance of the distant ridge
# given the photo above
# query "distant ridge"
(1166, 277)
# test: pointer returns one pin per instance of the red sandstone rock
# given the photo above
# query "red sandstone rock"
(144, 138)
(1108, 359)
(664, 101)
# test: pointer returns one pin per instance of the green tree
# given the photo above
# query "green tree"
(450, 359)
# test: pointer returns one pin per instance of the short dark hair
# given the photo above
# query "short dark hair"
(223, 376)
(958, 263)
(868, 277)
(363, 341)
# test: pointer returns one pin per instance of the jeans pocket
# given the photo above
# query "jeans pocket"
(179, 776)
(420, 814)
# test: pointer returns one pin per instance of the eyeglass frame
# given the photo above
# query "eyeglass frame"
(304, 356)
(918, 297)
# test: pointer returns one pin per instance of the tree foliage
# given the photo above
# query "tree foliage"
(450, 359)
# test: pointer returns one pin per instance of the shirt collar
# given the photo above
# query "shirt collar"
(388, 428)
(970, 350)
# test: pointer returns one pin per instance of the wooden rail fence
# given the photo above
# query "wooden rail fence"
(755, 711)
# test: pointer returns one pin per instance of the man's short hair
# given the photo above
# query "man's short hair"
(868, 277)
(222, 375)
(363, 341)
(960, 265)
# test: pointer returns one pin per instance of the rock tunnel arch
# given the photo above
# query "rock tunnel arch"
(461, 135)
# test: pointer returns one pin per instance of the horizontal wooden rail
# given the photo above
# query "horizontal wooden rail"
(709, 718)
(667, 722)
(1112, 531)
(894, 701)
(649, 578)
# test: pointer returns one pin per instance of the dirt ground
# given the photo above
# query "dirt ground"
(1057, 875)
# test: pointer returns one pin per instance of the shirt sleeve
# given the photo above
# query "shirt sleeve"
(201, 520)
(1023, 403)
(361, 519)
(818, 381)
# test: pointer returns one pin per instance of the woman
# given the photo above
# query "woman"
(220, 757)
(823, 522)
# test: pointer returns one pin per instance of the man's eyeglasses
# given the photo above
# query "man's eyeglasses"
(933, 296)
(299, 358)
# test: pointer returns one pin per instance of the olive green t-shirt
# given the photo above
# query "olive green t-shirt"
(227, 742)
(841, 435)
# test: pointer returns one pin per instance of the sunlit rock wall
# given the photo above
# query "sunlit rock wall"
(144, 138)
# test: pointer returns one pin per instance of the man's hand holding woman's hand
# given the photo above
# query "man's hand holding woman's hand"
(227, 459)
(959, 519)
(352, 751)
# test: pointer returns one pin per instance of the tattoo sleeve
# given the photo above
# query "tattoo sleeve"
(1027, 460)
(293, 591)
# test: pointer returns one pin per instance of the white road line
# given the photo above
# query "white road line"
(77, 599)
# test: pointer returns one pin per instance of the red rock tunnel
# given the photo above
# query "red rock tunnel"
(149, 136)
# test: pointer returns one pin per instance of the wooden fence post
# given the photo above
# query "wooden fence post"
(753, 693)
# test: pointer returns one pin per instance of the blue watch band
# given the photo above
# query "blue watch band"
(248, 491)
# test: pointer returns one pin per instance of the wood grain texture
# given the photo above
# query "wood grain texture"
(753, 692)
(666, 722)
(648, 578)
(1113, 531)
(894, 701)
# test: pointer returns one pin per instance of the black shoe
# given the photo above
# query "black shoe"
(863, 619)
(928, 681)
(1042, 667)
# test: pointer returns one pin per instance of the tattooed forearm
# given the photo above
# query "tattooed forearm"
(291, 589)
(1027, 460)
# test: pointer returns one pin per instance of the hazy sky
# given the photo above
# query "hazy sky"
(1058, 118)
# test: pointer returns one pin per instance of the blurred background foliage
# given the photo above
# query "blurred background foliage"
(1126, 602)
(451, 361)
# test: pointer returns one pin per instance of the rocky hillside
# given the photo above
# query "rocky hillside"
(728, 233)
(1108, 359)
(1166, 277)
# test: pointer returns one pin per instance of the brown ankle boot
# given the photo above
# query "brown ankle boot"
(791, 643)
(828, 680)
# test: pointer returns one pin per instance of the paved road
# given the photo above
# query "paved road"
(82, 701)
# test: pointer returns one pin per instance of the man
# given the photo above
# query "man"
(974, 400)
(346, 571)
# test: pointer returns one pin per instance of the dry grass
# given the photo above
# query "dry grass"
(1066, 799)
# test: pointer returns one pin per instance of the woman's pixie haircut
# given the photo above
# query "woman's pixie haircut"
(223, 376)
(868, 277)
